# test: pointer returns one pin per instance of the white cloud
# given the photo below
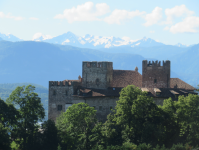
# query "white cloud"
(189, 24)
(176, 11)
(152, 31)
(39, 36)
(153, 17)
(166, 28)
(120, 15)
(33, 18)
(2, 15)
(84, 12)
(18, 18)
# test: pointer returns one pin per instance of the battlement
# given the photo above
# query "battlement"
(155, 75)
(99, 64)
(63, 83)
(156, 63)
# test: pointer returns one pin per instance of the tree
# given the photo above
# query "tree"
(8, 114)
(31, 111)
(4, 138)
(76, 124)
(49, 135)
(141, 120)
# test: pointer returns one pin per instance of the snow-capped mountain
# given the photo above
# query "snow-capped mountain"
(91, 41)
(181, 45)
(9, 37)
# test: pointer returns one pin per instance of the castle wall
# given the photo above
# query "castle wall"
(60, 93)
(103, 105)
(154, 75)
(97, 74)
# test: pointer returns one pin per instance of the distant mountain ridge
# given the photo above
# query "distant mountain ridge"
(96, 42)
(41, 62)
(91, 41)
(9, 37)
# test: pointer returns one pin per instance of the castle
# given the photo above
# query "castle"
(100, 85)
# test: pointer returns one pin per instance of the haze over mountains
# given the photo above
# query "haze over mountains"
(40, 62)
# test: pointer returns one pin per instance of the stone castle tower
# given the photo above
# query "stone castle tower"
(154, 75)
(97, 74)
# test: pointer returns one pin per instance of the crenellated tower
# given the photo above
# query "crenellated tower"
(97, 74)
(154, 75)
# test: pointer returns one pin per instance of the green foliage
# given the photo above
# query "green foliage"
(8, 114)
(185, 112)
(6, 90)
(4, 138)
(49, 135)
(14, 145)
(75, 126)
(31, 111)
(139, 117)
(59, 147)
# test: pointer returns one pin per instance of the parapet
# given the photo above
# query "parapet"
(99, 64)
(156, 63)
(64, 83)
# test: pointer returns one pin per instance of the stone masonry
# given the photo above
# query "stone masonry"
(100, 86)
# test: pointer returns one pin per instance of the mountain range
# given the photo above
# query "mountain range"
(9, 37)
(91, 41)
(40, 62)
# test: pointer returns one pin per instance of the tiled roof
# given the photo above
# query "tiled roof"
(91, 92)
(177, 83)
(165, 92)
(168, 92)
(122, 78)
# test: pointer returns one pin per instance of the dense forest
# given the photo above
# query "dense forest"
(136, 123)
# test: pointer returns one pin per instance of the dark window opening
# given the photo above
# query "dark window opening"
(97, 82)
(94, 107)
(59, 107)
(176, 96)
(66, 93)
(100, 108)
(155, 80)
(54, 92)
(111, 107)
(157, 93)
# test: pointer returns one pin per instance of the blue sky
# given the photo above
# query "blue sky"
(169, 22)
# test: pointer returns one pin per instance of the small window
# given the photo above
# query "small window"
(111, 107)
(54, 92)
(97, 81)
(155, 80)
(100, 108)
(94, 107)
(113, 88)
(66, 93)
(176, 96)
(59, 107)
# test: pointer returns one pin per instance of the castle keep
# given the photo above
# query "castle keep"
(100, 85)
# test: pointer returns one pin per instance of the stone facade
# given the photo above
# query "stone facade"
(100, 86)
(97, 74)
(154, 75)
